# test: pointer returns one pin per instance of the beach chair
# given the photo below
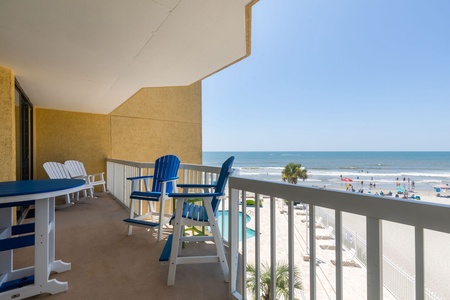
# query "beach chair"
(348, 259)
(318, 223)
(326, 234)
(76, 170)
(328, 245)
(192, 214)
(56, 170)
(164, 181)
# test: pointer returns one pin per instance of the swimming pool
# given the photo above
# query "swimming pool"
(224, 231)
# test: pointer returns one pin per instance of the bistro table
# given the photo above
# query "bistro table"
(34, 280)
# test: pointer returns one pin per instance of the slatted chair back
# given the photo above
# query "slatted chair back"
(75, 168)
(225, 172)
(56, 170)
(165, 167)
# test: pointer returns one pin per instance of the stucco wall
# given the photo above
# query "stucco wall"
(63, 135)
(153, 122)
(158, 121)
(7, 126)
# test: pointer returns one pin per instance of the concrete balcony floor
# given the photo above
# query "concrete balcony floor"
(108, 264)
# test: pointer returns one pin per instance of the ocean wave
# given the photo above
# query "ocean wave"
(260, 168)
(354, 175)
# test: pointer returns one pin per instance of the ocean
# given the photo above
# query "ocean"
(385, 169)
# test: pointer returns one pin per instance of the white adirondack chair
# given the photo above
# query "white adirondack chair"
(76, 170)
(56, 170)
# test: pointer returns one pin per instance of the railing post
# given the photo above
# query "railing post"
(291, 249)
(420, 268)
(244, 247)
(273, 246)
(338, 238)
(257, 247)
(312, 252)
(233, 204)
(374, 259)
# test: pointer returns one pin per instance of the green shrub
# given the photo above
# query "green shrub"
(251, 202)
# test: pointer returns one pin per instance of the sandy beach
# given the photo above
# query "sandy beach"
(398, 247)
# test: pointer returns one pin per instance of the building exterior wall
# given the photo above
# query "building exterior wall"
(159, 121)
(63, 135)
(7, 126)
(153, 122)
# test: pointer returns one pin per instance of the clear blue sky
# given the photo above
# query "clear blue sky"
(336, 75)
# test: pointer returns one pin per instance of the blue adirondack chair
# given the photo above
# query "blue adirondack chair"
(164, 179)
(190, 213)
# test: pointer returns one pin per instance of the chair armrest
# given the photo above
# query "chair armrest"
(194, 195)
(195, 185)
(97, 174)
(86, 178)
(169, 179)
(148, 196)
(140, 177)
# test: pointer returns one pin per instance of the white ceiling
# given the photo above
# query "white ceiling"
(92, 55)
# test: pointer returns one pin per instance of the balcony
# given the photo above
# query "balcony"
(106, 263)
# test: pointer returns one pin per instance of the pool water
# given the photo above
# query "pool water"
(224, 231)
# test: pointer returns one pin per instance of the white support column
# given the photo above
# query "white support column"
(374, 259)
(41, 259)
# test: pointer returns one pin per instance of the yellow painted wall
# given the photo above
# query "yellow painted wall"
(7, 126)
(63, 135)
(159, 121)
(153, 122)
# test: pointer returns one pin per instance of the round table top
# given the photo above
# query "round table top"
(27, 187)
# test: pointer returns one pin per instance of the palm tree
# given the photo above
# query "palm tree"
(292, 172)
(281, 284)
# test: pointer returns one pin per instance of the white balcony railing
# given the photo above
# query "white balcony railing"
(375, 209)
(119, 170)
(267, 221)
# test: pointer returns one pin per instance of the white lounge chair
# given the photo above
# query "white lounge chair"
(328, 245)
(56, 170)
(348, 259)
(318, 223)
(76, 170)
(326, 234)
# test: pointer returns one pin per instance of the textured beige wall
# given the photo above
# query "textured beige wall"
(63, 135)
(7, 126)
(159, 121)
(153, 122)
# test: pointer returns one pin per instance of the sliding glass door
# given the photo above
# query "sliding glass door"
(24, 135)
(24, 142)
